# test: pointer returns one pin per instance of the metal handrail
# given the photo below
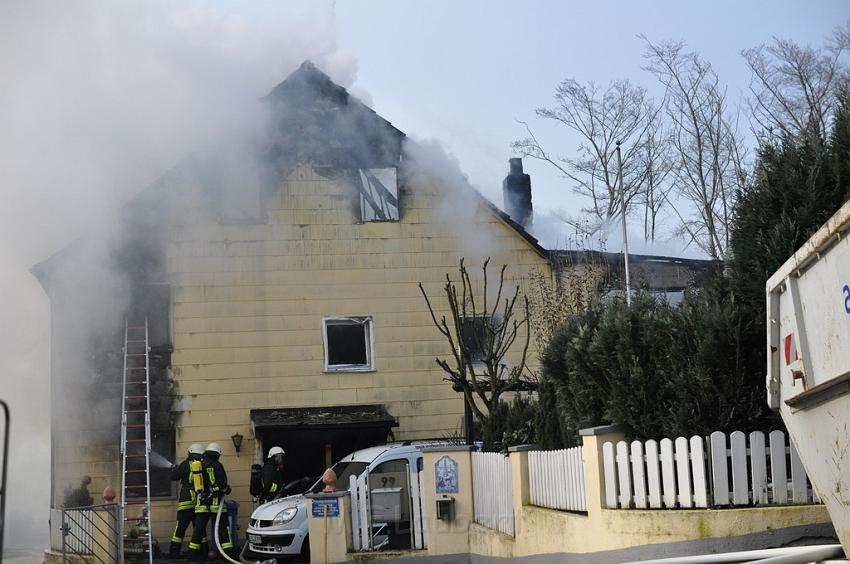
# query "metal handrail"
(8, 418)
(86, 521)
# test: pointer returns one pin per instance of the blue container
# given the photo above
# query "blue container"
(232, 512)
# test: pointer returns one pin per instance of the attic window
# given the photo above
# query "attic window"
(348, 344)
(378, 194)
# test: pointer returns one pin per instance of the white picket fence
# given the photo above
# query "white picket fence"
(556, 479)
(492, 491)
(361, 512)
(696, 472)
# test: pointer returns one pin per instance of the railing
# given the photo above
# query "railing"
(696, 472)
(4, 465)
(556, 479)
(361, 513)
(93, 532)
(492, 491)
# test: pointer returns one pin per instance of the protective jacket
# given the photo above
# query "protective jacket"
(268, 484)
(183, 475)
(215, 487)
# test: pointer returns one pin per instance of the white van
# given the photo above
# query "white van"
(278, 529)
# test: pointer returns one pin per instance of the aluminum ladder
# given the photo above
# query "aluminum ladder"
(136, 443)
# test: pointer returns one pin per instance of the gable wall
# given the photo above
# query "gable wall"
(249, 302)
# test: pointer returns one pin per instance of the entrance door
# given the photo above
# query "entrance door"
(310, 451)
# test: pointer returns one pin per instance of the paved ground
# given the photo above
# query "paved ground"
(13, 556)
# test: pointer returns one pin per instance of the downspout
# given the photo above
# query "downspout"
(52, 393)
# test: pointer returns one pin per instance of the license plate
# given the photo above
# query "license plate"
(255, 539)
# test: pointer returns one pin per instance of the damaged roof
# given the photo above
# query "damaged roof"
(312, 119)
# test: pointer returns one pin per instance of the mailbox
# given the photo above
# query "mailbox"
(445, 508)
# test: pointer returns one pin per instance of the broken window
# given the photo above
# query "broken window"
(378, 194)
(474, 337)
(161, 456)
(348, 343)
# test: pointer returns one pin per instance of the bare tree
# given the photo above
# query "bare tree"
(655, 159)
(794, 87)
(707, 155)
(480, 332)
(622, 113)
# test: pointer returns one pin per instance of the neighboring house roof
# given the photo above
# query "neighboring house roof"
(604, 257)
(654, 272)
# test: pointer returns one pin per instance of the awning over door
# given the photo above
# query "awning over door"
(373, 416)
(316, 437)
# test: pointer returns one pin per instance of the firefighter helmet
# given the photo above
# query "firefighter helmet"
(196, 449)
(276, 453)
(214, 448)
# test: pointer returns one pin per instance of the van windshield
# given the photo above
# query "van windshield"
(344, 470)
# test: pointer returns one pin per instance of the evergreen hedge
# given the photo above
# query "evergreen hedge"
(661, 370)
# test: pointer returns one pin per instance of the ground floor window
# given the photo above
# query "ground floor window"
(161, 456)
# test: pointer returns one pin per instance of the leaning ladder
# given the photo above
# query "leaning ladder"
(136, 443)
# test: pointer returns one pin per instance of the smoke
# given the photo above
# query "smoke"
(557, 230)
(98, 100)
(430, 163)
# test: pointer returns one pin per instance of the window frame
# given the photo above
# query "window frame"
(476, 362)
(172, 456)
(369, 343)
(363, 181)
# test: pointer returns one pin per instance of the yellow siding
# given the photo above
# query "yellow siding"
(248, 302)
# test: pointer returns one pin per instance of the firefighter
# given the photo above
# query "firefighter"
(267, 483)
(186, 499)
(209, 498)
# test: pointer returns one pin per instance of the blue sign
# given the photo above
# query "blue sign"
(331, 505)
(445, 470)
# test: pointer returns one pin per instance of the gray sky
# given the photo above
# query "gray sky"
(98, 99)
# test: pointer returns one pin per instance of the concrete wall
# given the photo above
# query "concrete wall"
(612, 535)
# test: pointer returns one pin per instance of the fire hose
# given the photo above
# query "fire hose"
(218, 541)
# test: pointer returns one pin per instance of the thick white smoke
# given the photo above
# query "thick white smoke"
(98, 99)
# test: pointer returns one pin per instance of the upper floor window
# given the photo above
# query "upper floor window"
(475, 332)
(348, 344)
(378, 194)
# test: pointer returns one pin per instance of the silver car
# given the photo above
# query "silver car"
(278, 529)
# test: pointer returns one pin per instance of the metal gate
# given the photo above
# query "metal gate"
(370, 535)
(94, 532)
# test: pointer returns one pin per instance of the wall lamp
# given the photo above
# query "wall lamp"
(237, 442)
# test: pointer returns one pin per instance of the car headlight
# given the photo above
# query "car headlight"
(285, 516)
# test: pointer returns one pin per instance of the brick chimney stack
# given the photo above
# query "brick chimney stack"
(516, 191)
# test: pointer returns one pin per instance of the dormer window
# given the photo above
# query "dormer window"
(378, 194)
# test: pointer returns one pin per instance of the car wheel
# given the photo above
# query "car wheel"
(304, 556)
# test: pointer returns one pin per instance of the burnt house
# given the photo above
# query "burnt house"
(279, 276)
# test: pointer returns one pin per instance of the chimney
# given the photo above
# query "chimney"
(516, 191)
